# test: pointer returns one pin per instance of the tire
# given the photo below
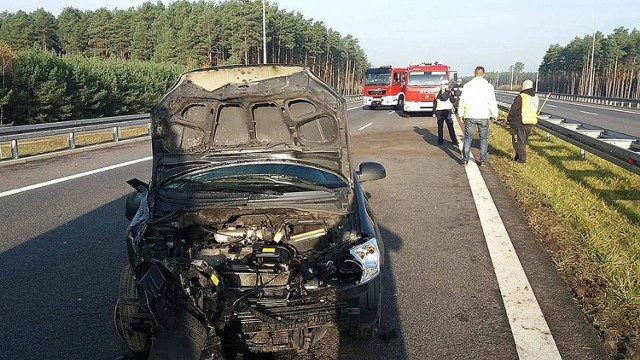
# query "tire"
(400, 105)
(124, 310)
(371, 107)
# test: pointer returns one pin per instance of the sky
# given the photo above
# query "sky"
(462, 33)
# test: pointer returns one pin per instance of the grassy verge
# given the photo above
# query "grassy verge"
(587, 214)
(59, 142)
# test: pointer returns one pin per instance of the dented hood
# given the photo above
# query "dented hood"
(249, 113)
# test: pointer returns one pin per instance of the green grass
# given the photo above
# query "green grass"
(59, 142)
(587, 214)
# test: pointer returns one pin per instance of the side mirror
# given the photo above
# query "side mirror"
(132, 205)
(370, 170)
(133, 199)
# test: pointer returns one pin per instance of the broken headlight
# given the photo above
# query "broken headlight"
(367, 255)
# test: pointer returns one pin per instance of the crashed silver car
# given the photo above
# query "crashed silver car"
(254, 233)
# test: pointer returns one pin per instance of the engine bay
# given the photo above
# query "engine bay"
(223, 260)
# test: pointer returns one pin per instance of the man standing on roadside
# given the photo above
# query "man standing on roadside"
(522, 117)
(477, 106)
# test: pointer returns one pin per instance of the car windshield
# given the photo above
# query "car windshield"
(427, 78)
(258, 178)
(378, 78)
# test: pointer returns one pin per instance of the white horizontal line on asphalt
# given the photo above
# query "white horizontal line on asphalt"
(586, 112)
(359, 107)
(529, 328)
(594, 106)
(366, 126)
(552, 105)
(71, 177)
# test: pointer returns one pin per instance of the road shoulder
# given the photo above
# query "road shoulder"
(574, 335)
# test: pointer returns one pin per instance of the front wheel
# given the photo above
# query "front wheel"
(400, 105)
(125, 309)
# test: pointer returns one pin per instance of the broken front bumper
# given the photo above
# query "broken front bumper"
(271, 325)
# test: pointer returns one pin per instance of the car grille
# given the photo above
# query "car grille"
(377, 92)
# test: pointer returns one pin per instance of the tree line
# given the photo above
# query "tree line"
(616, 64)
(127, 44)
(507, 80)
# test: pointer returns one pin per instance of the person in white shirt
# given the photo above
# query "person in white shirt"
(477, 106)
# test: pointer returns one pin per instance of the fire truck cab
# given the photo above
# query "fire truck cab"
(422, 84)
(383, 87)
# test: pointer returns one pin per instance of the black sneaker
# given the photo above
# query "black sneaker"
(464, 162)
(482, 163)
(454, 143)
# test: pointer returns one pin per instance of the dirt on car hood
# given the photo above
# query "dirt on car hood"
(249, 113)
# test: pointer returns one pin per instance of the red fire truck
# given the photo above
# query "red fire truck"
(383, 87)
(422, 84)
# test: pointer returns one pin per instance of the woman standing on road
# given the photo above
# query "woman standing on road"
(444, 106)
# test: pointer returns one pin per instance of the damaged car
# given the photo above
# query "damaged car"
(254, 233)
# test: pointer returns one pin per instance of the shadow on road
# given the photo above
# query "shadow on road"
(432, 139)
(58, 290)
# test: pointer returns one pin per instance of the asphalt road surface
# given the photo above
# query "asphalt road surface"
(62, 249)
(619, 119)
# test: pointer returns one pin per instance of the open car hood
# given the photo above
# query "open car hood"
(236, 114)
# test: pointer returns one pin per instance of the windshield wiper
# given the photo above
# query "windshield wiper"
(218, 186)
(285, 180)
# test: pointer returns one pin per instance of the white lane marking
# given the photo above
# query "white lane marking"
(586, 112)
(71, 177)
(593, 106)
(529, 328)
(366, 126)
(549, 105)
(359, 107)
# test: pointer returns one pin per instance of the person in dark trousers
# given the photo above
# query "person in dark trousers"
(522, 118)
(457, 92)
(444, 107)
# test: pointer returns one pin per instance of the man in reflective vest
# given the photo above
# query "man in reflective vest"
(522, 118)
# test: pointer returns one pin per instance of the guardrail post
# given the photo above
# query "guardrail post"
(14, 149)
(116, 134)
(548, 137)
(71, 142)
(583, 154)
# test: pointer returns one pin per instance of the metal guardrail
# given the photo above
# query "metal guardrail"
(599, 100)
(13, 134)
(617, 148)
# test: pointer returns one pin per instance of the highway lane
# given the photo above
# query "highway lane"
(626, 121)
(64, 248)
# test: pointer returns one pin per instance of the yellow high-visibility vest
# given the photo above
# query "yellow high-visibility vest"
(529, 109)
